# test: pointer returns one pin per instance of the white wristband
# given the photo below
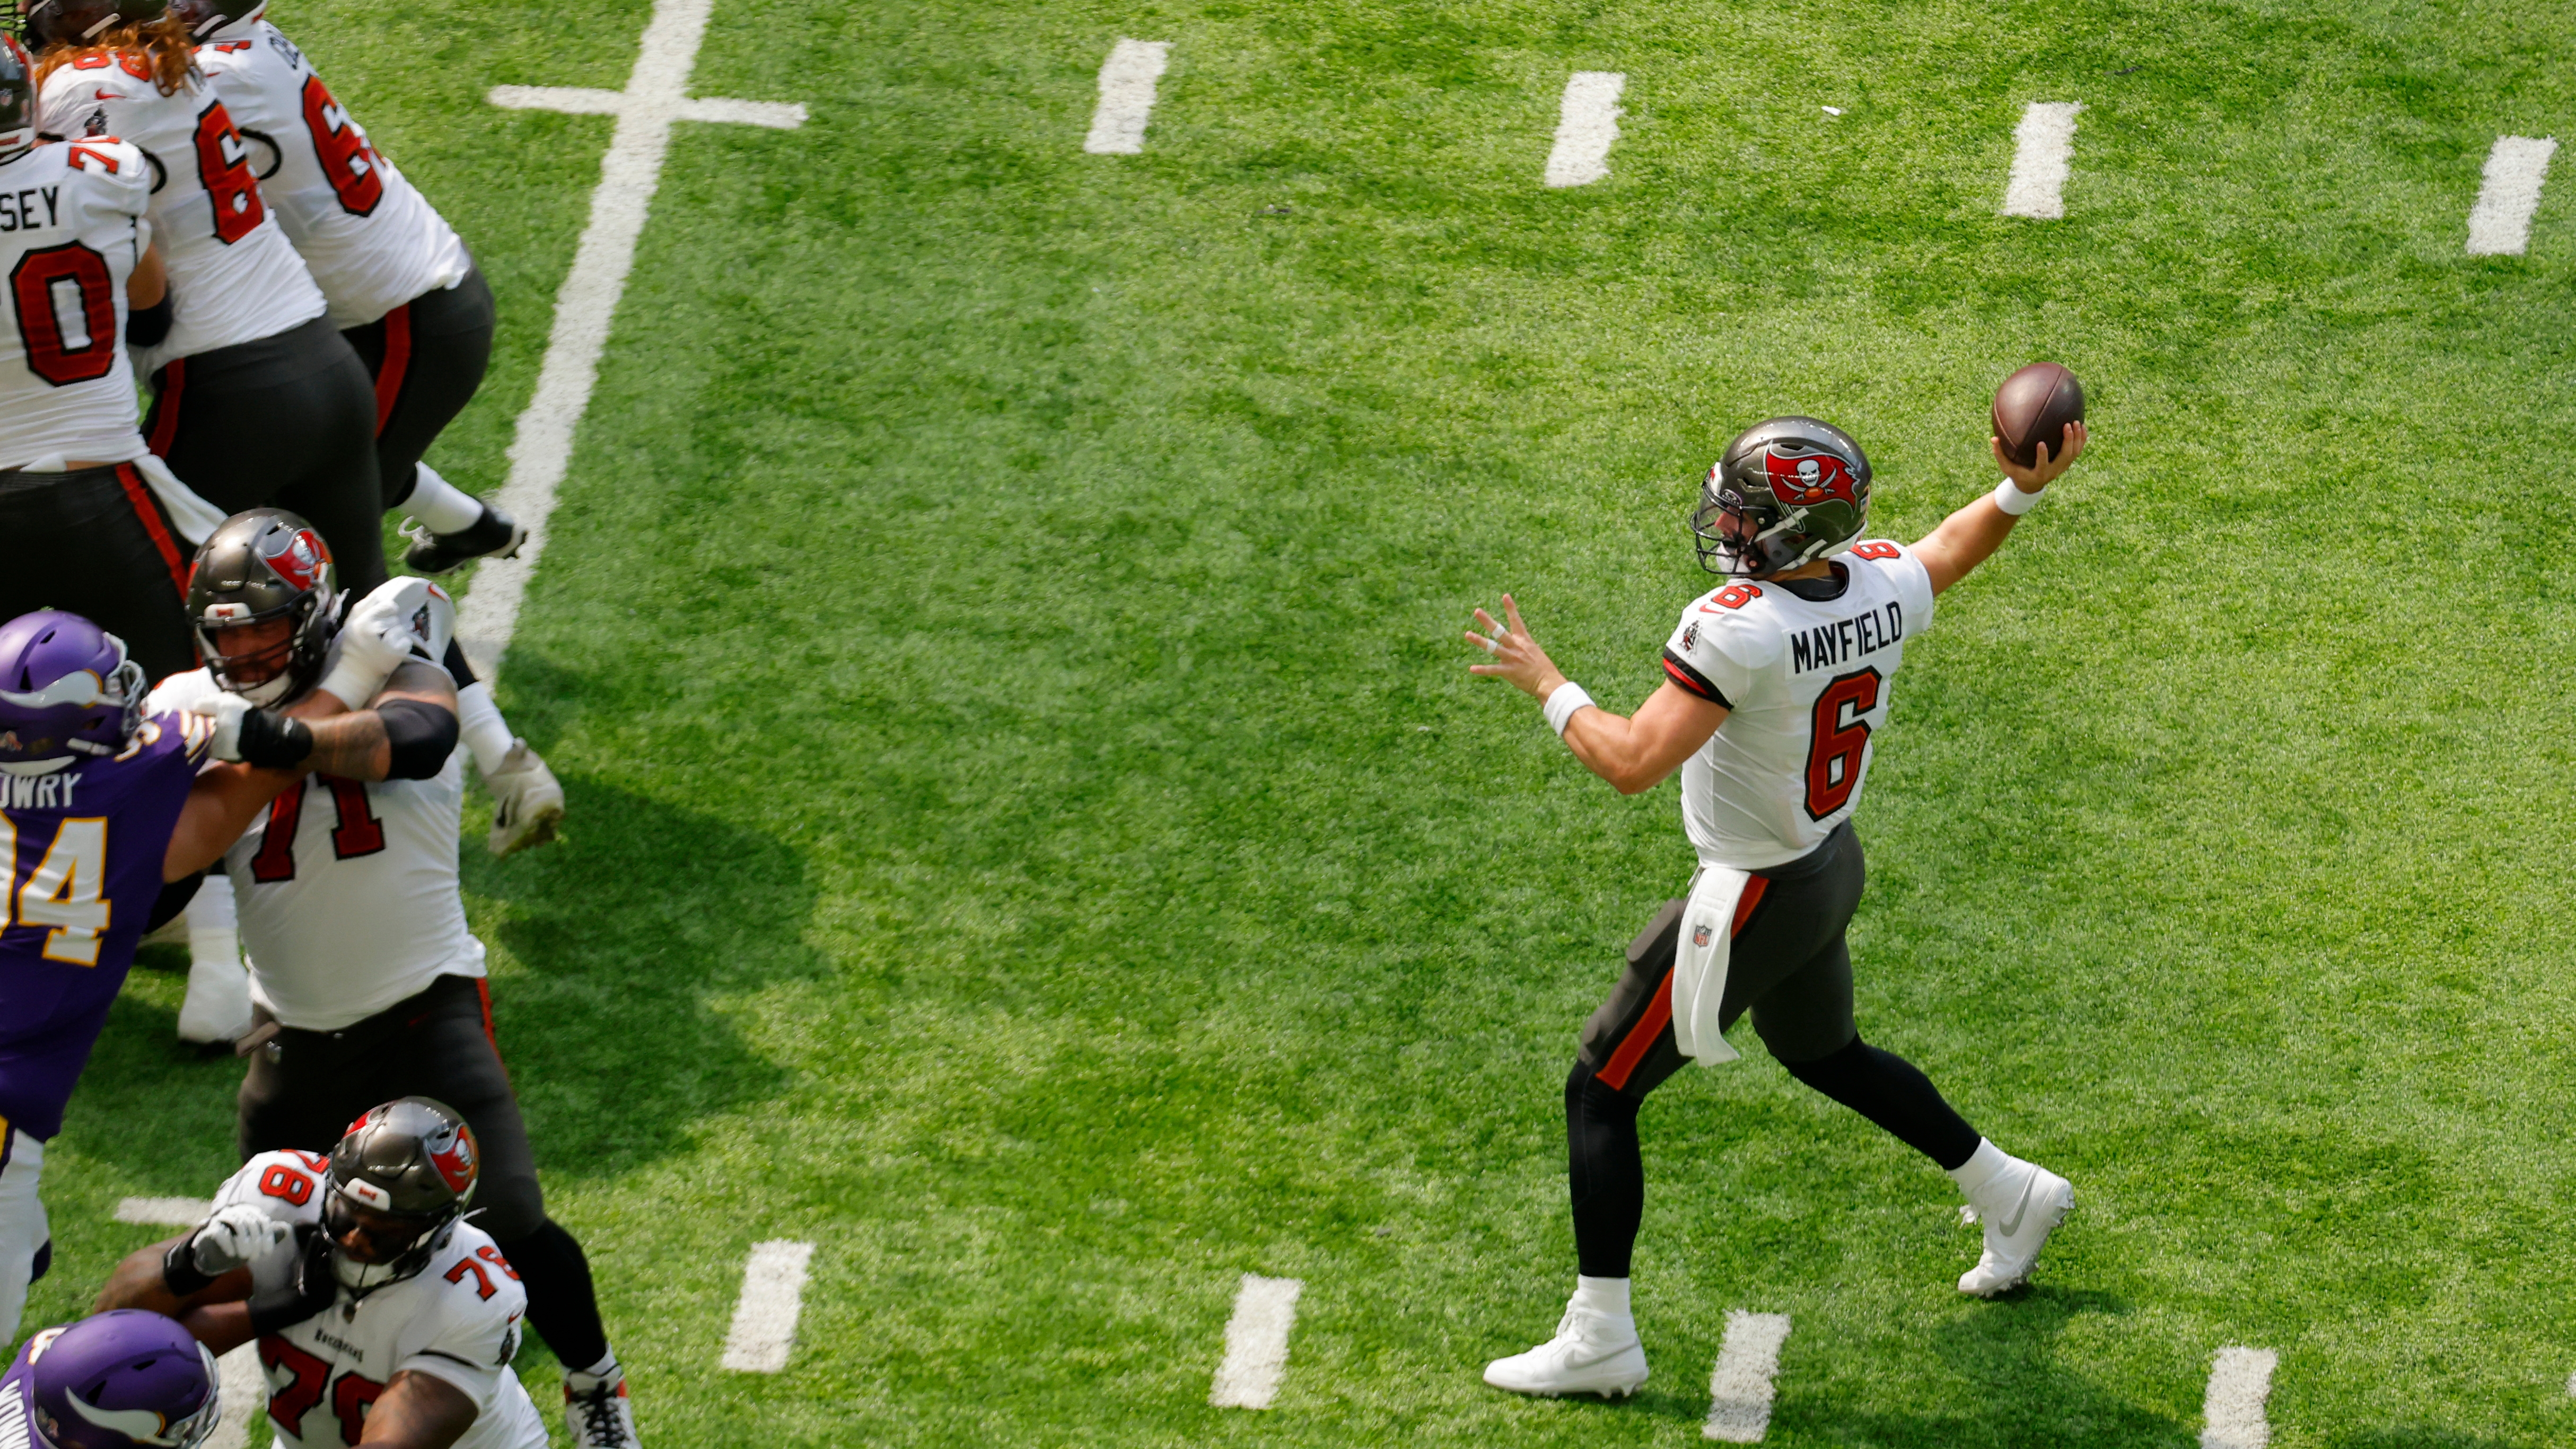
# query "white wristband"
(1562, 704)
(2010, 498)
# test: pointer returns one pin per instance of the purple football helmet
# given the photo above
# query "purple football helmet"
(66, 689)
(119, 1380)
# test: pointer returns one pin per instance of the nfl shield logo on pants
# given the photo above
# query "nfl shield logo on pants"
(1700, 936)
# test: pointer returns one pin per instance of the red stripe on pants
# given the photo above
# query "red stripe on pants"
(165, 407)
(1659, 1011)
(138, 493)
(397, 361)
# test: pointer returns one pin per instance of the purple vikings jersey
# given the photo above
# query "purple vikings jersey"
(84, 846)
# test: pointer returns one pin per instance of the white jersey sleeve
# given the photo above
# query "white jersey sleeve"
(1717, 651)
(467, 1328)
(69, 239)
(234, 277)
(373, 241)
(287, 1186)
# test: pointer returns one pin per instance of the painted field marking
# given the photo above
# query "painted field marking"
(1127, 80)
(1739, 1388)
(1587, 121)
(2043, 149)
(656, 97)
(2500, 224)
(1256, 1343)
(243, 1385)
(2239, 1381)
(167, 1212)
(764, 1318)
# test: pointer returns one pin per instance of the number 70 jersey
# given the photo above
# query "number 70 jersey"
(1806, 683)
(67, 243)
(456, 1320)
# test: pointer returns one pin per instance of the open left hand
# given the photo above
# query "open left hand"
(1515, 656)
(2039, 475)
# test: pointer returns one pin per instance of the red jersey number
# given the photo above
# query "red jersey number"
(286, 1182)
(1876, 548)
(223, 163)
(359, 832)
(353, 168)
(1736, 596)
(46, 286)
(1841, 740)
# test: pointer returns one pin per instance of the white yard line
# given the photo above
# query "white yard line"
(655, 98)
(2239, 1381)
(167, 1212)
(2043, 148)
(2500, 224)
(764, 1318)
(1256, 1343)
(1587, 121)
(244, 1387)
(1739, 1388)
(1126, 97)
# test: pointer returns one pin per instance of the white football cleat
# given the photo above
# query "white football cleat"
(598, 1413)
(218, 1004)
(1591, 1354)
(527, 802)
(2022, 1206)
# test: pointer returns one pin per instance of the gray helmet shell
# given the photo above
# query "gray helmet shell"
(1785, 493)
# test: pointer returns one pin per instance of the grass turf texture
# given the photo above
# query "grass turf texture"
(1034, 836)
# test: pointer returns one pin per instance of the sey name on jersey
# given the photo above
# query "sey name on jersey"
(1829, 646)
(37, 792)
(18, 208)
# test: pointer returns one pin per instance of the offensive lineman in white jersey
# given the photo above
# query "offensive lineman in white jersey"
(90, 521)
(257, 398)
(368, 981)
(1774, 689)
(383, 1318)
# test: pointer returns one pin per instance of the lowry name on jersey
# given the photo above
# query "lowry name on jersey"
(1806, 682)
(456, 1320)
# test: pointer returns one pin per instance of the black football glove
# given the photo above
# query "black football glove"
(307, 1291)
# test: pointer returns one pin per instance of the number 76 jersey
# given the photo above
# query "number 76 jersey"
(456, 1320)
(68, 241)
(1806, 682)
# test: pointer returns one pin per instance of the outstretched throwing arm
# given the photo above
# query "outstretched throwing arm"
(1970, 536)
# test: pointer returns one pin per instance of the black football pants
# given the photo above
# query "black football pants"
(1789, 965)
(306, 1087)
(281, 422)
(427, 357)
(97, 543)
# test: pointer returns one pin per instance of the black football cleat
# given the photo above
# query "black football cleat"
(494, 535)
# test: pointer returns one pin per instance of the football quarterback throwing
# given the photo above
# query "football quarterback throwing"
(1775, 686)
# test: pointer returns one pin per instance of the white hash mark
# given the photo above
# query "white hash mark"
(1256, 1343)
(2043, 149)
(1126, 97)
(1739, 1387)
(764, 1318)
(1587, 121)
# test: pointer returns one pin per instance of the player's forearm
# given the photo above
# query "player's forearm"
(221, 1327)
(140, 1282)
(417, 1411)
(351, 746)
(1610, 746)
(221, 805)
(1964, 540)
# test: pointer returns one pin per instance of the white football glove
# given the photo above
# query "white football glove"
(375, 639)
(226, 710)
(234, 1236)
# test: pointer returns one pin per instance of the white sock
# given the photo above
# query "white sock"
(1980, 1168)
(1605, 1297)
(479, 720)
(214, 927)
(440, 504)
(603, 1371)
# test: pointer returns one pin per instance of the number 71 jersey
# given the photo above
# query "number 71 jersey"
(1806, 682)
(456, 1320)
(68, 241)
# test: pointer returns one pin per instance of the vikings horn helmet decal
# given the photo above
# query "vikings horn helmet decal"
(119, 1380)
(1786, 493)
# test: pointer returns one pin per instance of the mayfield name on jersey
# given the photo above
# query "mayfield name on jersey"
(234, 276)
(1806, 682)
(372, 240)
(457, 1320)
(69, 236)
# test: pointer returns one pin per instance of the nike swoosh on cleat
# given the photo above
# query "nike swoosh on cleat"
(2012, 1225)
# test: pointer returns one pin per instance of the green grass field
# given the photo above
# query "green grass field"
(1034, 836)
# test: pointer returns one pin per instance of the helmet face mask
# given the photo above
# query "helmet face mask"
(17, 100)
(265, 566)
(1787, 492)
(398, 1182)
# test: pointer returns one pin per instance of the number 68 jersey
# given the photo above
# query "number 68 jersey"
(68, 241)
(456, 1320)
(1804, 671)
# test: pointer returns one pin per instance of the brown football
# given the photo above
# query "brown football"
(2033, 407)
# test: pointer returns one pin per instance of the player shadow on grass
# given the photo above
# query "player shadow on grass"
(2414, 1436)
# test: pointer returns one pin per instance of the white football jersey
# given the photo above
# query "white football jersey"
(234, 277)
(1806, 686)
(456, 1320)
(373, 241)
(68, 239)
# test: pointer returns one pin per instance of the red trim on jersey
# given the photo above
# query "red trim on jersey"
(165, 407)
(397, 361)
(146, 508)
(1659, 1011)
